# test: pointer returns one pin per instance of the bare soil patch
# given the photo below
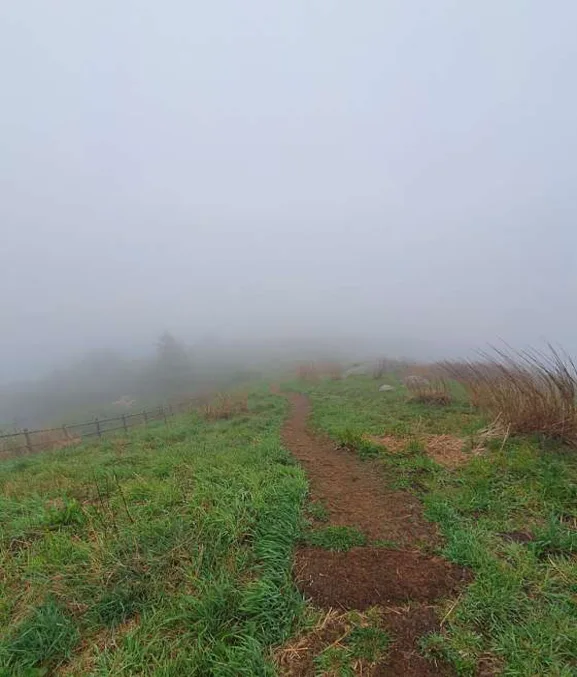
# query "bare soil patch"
(354, 492)
(365, 577)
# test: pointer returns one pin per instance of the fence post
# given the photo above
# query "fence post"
(124, 423)
(145, 417)
(28, 442)
(163, 410)
(98, 431)
(170, 409)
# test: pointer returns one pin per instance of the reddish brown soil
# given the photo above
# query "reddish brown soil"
(297, 658)
(354, 492)
(407, 625)
(365, 577)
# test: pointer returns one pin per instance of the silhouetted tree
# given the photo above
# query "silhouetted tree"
(173, 365)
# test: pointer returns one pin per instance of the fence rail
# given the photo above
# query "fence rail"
(43, 439)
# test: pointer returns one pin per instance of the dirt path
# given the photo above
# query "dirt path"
(404, 582)
(353, 491)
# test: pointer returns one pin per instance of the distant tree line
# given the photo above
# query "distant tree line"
(103, 381)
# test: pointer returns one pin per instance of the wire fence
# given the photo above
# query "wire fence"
(27, 441)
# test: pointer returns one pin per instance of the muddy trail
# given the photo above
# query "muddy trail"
(402, 580)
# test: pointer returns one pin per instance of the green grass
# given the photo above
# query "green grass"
(168, 553)
(354, 406)
(520, 612)
(317, 511)
(335, 538)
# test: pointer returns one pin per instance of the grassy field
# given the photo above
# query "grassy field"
(167, 553)
(509, 513)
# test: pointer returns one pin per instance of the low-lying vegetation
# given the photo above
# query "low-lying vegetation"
(334, 643)
(425, 391)
(164, 553)
(224, 405)
(508, 514)
(530, 392)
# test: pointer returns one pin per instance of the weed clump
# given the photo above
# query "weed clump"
(336, 538)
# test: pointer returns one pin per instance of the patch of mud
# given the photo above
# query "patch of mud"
(365, 577)
(354, 492)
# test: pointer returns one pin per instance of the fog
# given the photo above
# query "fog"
(394, 177)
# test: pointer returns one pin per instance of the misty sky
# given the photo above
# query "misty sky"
(404, 170)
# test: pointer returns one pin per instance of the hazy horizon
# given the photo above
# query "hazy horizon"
(386, 174)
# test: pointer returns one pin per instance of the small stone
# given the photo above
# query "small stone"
(385, 388)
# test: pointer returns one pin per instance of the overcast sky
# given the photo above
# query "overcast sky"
(397, 169)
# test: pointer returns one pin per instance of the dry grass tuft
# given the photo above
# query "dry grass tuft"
(424, 391)
(224, 405)
(527, 391)
(41, 440)
(446, 450)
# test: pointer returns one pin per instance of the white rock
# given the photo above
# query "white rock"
(385, 388)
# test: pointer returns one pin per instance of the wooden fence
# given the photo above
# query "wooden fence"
(28, 441)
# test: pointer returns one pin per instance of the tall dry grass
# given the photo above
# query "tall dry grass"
(428, 391)
(529, 391)
(224, 405)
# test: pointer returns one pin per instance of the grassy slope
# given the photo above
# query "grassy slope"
(520, 613)
(165, 554)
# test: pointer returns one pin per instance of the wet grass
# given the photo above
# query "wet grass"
(518, 616)
(167, 553)
(335, 538)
